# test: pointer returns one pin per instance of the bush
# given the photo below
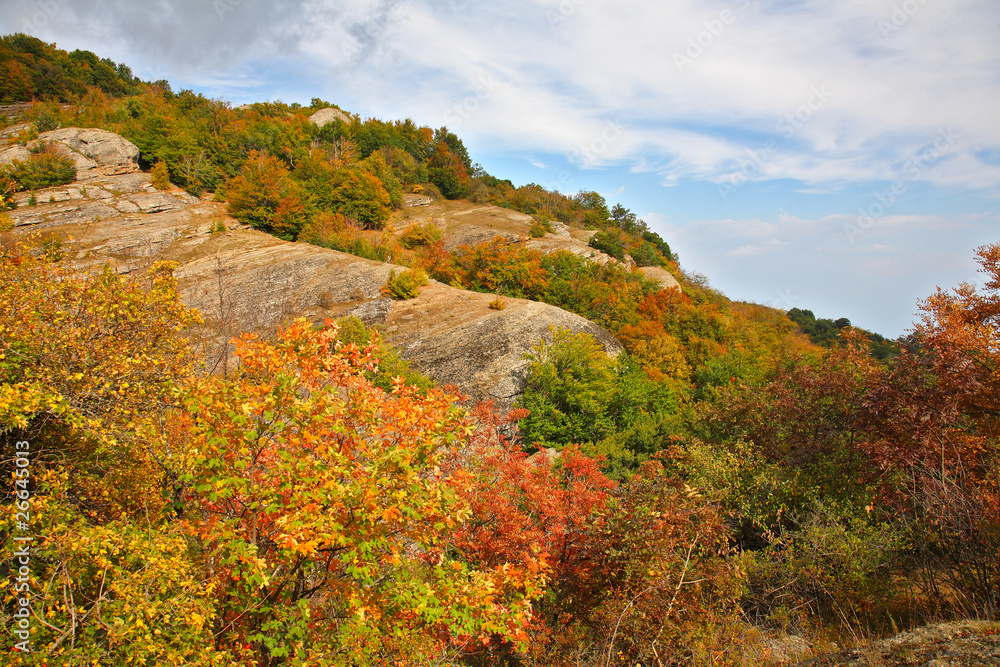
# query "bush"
(42, 169)
(647, 255)
(420, 235)
(609, 242)
(540, 228)
(7, 190)
(46, 122)
(405, 285)
(835, 566)
(161, 177)
(498, 304)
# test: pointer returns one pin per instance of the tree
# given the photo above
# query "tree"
(160, 176)
(936, 420)
(448, 172)
(265, 197)
(321, 513)
(570, 385)
(86, 363)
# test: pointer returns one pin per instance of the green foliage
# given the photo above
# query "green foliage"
(570, 383)
(264, 196)
(661, 245)
(448, 172)
(417, 235)
(32, 69)
(7, 190)
(594, 208)
(391, 365)
(406, 285)
(161, 176)
(825, 332)
(539, 228)
(647, 254)
(837, 567)
(42, 169)
(610, 242)
(46, 122)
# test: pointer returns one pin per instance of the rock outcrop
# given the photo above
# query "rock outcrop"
(958, 644)
(96, 153)
(244, 280)
(328, 115)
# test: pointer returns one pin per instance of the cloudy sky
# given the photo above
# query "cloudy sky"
(838, 155)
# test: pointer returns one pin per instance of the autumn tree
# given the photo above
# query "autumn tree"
(935, 422)
(322, 515)
(86, 363)
(264, 196)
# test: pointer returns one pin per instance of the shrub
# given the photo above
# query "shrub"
(420, 235)
(161, 177)
(647, 255)
(46, 122)
(405, 285)
(540, 228)
(265, 197)
(42, 169)
(7, 190)
(498, 304)
(833, 565)
(609, 242)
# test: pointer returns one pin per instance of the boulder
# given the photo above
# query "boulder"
(328, 115)
(662, 276)
(17, 152)
(96, 152)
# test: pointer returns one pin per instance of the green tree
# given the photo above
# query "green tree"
(571, 382)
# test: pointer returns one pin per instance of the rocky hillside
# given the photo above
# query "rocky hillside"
(464, 222)
(241, 279)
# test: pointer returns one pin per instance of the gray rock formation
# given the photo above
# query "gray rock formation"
(244, 280)
(96, 153)
(328, 115)
(662, 276)
(957, 644)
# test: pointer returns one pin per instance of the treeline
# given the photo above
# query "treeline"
(207, 146)
(826, 332)
(31, 70)
(863, 495)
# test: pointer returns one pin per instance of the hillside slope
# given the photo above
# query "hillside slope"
(245, 280)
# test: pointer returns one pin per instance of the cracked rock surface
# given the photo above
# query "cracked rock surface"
(244, 280)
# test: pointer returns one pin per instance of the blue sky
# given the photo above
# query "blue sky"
(842, 156)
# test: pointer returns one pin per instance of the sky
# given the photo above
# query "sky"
(836, 155)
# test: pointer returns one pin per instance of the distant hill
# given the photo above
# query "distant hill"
(31, 69)
(826, 332)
